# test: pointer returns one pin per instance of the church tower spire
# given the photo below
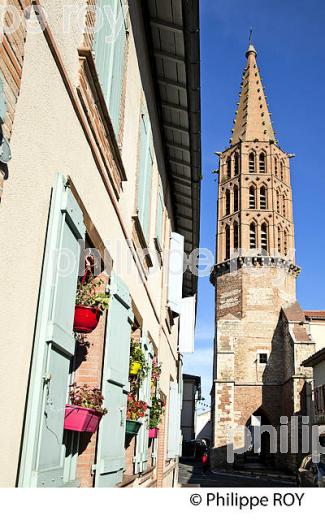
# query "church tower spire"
(253, 119)
(255, 272)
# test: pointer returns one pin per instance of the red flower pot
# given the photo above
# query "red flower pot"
(153, 433)
(81, 419)
(85, 319)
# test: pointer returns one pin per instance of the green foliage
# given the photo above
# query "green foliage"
(89, 297)
(137, 354)
(156, 371)
(156, 411)
(87, 397)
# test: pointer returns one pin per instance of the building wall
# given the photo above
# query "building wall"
(188, 411)
(203, 425)
(317, 330)
(48, 138)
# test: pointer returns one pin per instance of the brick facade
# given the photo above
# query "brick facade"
(11, 66)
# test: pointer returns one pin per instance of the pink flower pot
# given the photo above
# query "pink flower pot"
(153, 433)
(81, 419)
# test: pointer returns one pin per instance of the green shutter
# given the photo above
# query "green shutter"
(109, 49)
(141, 456)
(145, 173)
(43, 449)
(110, 452)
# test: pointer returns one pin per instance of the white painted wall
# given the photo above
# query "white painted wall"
(47, 138)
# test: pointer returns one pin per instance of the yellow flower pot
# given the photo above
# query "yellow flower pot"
(134, 368)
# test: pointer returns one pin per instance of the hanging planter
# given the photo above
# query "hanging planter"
(138, 366)
(135, 366)
(153, 433)
(81, 419)
(136, 410)
(85, 319)
(90, 303)
(156, 411)
(85, 411)
(132, 427)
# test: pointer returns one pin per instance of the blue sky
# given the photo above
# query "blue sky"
(289, 38)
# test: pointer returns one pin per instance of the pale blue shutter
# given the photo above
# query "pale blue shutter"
(145, 173)
(159, 218)
(175, 275)
(109, 49)
(141, 456)
(118, 68)
(44, 451)
(110, 452)
(3, 101)
(104, 43)
(173, 415)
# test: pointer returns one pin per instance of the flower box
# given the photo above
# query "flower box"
(132, 427)
(153, 433)
(80, 419)
(86, 319)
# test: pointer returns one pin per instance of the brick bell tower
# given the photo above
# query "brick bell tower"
(255, 272)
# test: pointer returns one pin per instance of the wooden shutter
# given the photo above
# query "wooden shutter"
(44, 451)
(109, 49)
(160, 218)
(104, 43)
(173, 414)
(118, 67)
(141, 456)
(3, 101)
(176, 266)
(110, 451)
(145, 173)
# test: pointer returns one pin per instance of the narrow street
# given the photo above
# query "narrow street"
(190, 474)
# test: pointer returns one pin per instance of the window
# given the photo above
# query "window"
(235, 198)
(262, 163)
(227, 241)
(264, 237)
(145, 173)
(282, 171)
(229, 167)
(285, 243)
(278, 201)
(263, 198)
(236, 236)
(236, 165)
(109, 50)
(251, 162)
(276, 166)
(284, 203)
(252, 200)
(252, 236)
(262, 358)
(279, 240)
(227, 202)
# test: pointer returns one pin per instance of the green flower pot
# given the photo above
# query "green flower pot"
(132, 427)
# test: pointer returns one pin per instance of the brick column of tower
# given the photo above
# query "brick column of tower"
(255, 272)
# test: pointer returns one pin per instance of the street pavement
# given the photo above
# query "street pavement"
(190, 474)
